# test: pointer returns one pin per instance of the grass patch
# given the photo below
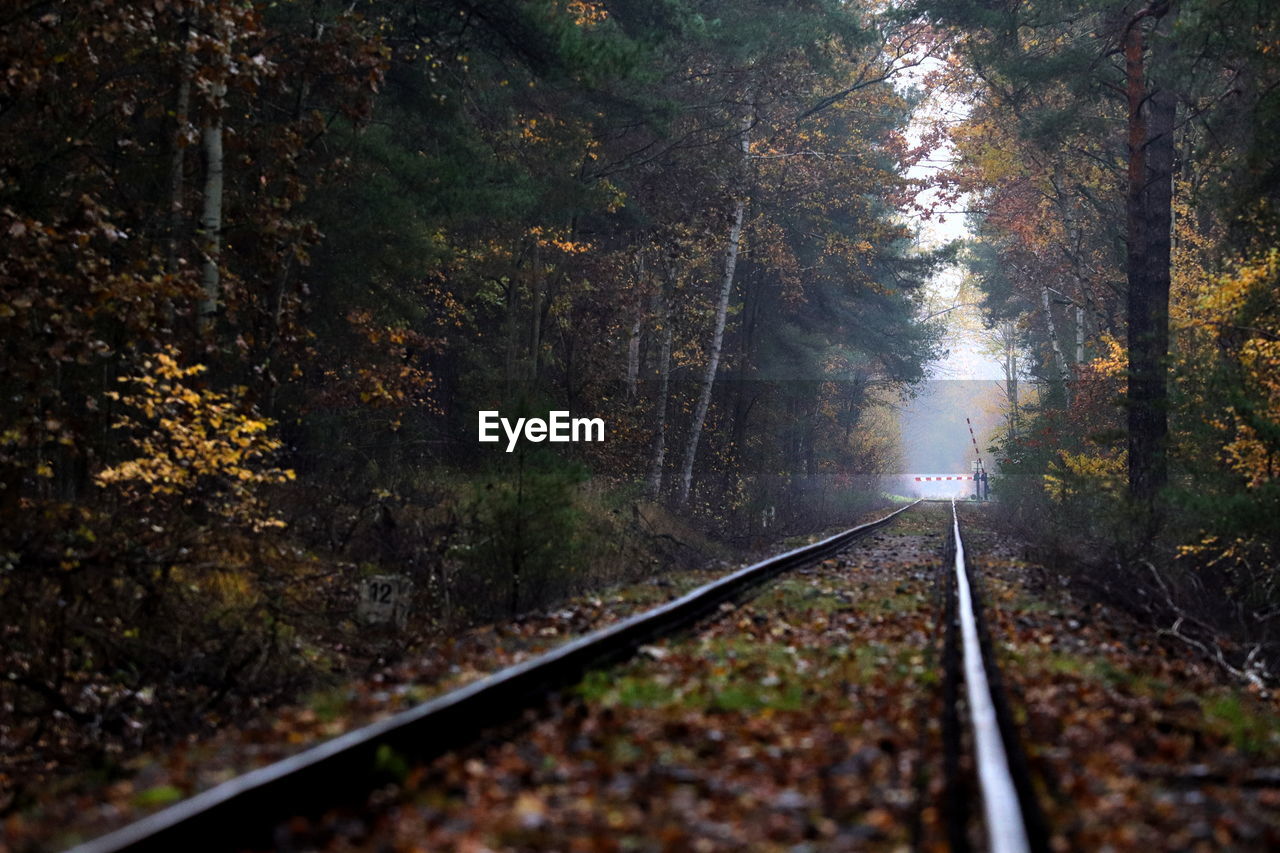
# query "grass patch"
(753, 697)
(793, 594)
(899, 602)
(734, 676)
(923, 520)
(329, 705)
(1252, 731)
(1094, 669)
(160, 795)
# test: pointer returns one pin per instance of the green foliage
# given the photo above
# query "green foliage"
(1251, 731)
(731, 688)
(523, 534)
(390, 762)
(161, 795)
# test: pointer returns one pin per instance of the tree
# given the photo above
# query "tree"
(1067, 62)
(732, 244)
(1152, 105)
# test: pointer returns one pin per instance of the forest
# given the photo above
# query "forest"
(265, 262)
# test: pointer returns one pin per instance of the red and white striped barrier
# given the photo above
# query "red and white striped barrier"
(974, 439)
(956, 477)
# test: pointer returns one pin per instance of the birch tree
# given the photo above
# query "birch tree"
(732, 245)
(214, 165)
(1064, 374)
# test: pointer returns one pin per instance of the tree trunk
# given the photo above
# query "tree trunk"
(1150, 216)
(211, 217)
(1079, 336)
(1013, 388)
(281, 284)
(1063, 373)
(511, 325)
(538, 285)
(1011, 377)
(177, 157)
(745, 394)
(633, 351)
(722, 312)
(659, 454)
(633, 338)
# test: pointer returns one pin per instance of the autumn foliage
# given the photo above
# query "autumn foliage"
(1121, 165)
(264, 262)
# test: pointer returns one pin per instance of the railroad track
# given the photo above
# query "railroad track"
(988, 795)
(243, 811)
(1012, 819)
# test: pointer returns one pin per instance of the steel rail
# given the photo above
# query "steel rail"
(244, 810)
(1002, 807)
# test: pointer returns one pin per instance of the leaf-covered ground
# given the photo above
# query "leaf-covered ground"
(809, 720)
(74, 806)
(1139, 743)
(807, 717)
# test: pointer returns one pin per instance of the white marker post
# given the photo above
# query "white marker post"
(384, 600)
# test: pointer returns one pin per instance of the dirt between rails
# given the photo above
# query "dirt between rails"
(806, 719)
(1136, 742)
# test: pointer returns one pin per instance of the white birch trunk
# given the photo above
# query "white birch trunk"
(1013, 388)
(211, 219)
(1011, 376)
(722, 311)
(1063, 373)
(1079, 335)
